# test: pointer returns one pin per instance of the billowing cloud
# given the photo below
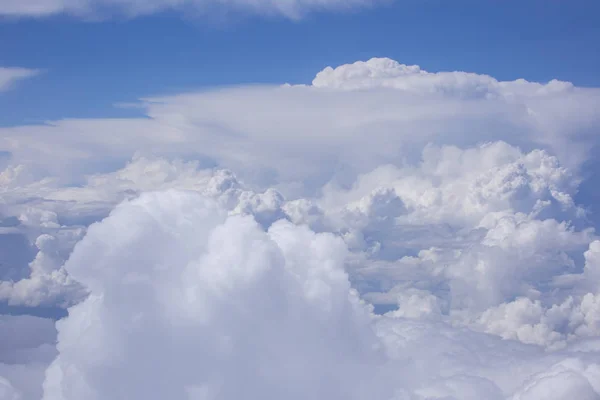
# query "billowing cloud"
(387, 73)
(280, 215)
(86, 8)
(9, 76)
(238, 311)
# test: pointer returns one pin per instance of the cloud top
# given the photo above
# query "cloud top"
(388, 73)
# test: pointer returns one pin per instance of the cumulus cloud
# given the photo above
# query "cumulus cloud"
(387, 73)
(240, 311)
(291, 9)
(9, 76)
(565, 379)
(280, 216)
(48, 219)
(48, 284)
(436, 361)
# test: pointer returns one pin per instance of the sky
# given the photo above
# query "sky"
(95, 65)
(301, 199)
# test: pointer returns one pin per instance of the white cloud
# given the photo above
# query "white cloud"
(489, 193)
(387, 73)
(441, 362)
(9, 76)
(48, 284)
(301, 137)
(212, 307)
(47, 204)
(455, 194)
(289, 8)
(238, 312)
(566, 379)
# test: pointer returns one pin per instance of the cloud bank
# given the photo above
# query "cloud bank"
(238, 241)
(93, 8)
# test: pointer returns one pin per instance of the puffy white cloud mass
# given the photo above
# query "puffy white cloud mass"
(237, 312)
(207, 306)
(87, 8)
(9, 76)
(384, 233)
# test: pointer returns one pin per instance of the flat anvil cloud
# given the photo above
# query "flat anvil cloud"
(303, 136)
(235, 242)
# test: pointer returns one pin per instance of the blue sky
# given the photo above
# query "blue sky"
(90, 66)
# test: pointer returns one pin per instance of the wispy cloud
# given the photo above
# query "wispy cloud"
(131, 8)
(9, 76)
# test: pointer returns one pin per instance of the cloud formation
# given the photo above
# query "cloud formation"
(240, 311)
(132, 8)
(299, 138)
(9, 76)
(279, 216)
(387, 73)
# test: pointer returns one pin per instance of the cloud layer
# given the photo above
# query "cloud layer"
(245, 234)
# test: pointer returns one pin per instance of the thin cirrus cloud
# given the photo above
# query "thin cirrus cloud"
(86, 8)
(9, 76)
(236, 241)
